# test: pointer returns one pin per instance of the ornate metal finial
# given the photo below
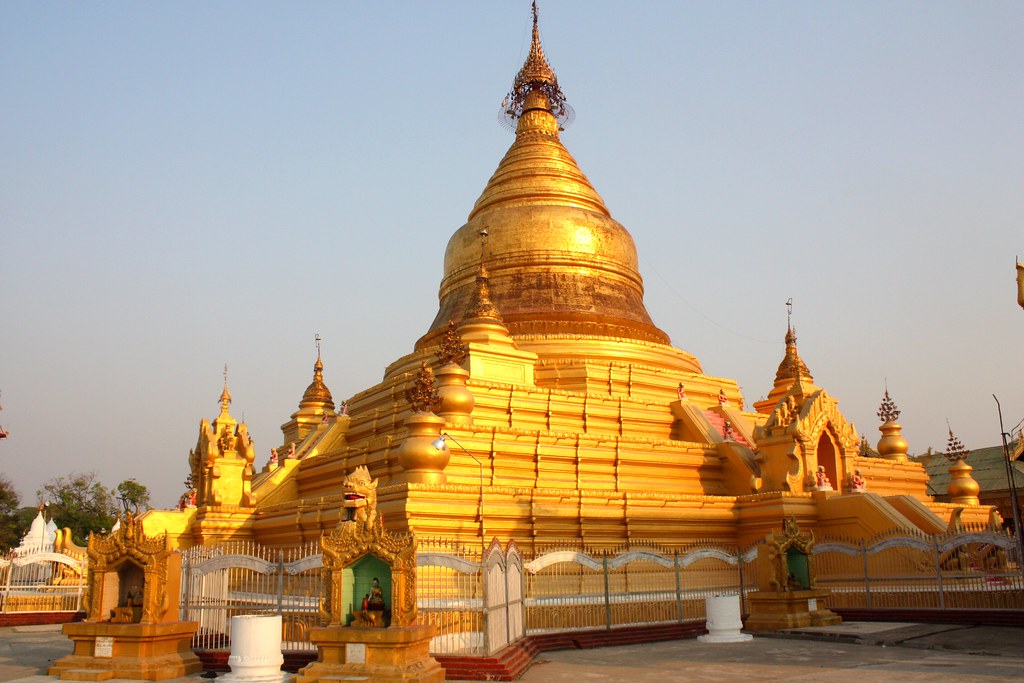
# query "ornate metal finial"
(535, 76)
(452, 349)
(484, 234)
(888, 412)
(422, 395)
(955, 450)
(225, 395)
(317, 339)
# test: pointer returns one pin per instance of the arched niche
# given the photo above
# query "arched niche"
(358, 585)
(826, 455)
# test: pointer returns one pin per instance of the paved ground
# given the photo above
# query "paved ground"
(859, 652)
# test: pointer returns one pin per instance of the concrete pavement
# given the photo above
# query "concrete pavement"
(855, 652)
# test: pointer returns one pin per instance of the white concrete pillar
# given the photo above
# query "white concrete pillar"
(256, 650)
(723, 620)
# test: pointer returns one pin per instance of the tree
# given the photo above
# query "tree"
(133, 493)
(81, 503)
(11, 530)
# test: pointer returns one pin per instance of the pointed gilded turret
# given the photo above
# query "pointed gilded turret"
(558, 264)
(317, 394)
(225, 403)
(315, 408)
(792, 371)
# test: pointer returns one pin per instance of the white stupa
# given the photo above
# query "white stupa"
(40, 536)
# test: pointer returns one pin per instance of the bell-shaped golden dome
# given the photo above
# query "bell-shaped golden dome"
(558, 263)
(317, 395)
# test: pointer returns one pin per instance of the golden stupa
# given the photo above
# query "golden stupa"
(567, 413)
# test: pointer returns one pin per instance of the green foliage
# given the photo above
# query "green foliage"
(135, 494)
(81, 503)
(10, 533)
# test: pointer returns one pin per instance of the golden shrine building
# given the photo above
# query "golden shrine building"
(567, 412)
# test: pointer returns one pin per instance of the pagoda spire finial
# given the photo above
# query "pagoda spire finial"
(789, 320)
(225, 395)
(536, 75)
(317, 392)
(792, 366)
(480, 304)
(887, 411)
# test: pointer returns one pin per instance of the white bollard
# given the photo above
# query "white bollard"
(256, 650)
(723, 622)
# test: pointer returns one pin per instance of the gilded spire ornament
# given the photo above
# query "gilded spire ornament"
(225, 395)
(452, 350)
(317, 392)
(536, 75)
(792, 366)
(422, 395)
(480, 304)
(955, 450)
(887, 411)
(963, 489)
(892, 445)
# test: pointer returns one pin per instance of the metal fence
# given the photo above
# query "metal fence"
(966, 569)
(480, 599)
(570, 588)
(247, 578)
(42, 582)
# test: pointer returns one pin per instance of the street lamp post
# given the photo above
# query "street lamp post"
(441, 444)
(1014, 504)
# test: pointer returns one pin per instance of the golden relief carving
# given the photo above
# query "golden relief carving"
(820, 411)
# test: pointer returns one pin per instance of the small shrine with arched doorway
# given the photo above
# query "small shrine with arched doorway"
(131, 628)
(369, 587)
(786, 595)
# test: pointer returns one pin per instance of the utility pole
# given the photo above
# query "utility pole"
(1014, 503)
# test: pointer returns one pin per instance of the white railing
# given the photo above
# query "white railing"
(42, 582)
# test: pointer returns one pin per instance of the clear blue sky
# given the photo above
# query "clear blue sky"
(184, 184)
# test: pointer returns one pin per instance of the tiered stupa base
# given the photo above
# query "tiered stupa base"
(147, 652)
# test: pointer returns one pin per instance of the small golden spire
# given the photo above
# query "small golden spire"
(792, 366)
(480, 304)
(225, 395)
(317, 392)
(536, 75)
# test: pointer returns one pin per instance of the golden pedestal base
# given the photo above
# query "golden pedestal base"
(380, 655)
(149, 652)
(774, 611)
